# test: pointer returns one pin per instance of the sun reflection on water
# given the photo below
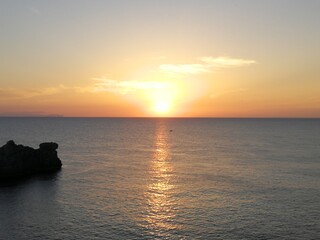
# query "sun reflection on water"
(161, 210)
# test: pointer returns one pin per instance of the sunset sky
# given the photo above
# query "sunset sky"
(154, 58)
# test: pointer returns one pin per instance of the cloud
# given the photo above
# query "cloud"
(218, 94)
(184, 68)
(34, 10)
(158, 58)
(25, 93)
(28, 114)
(124, 87)
(207, 64)
(222, 62)
(100, 85)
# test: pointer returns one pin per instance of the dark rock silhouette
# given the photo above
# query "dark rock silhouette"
(19, 161)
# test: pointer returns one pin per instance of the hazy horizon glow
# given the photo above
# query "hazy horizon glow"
(148, 58)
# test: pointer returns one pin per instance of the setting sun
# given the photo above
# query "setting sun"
(162, 107)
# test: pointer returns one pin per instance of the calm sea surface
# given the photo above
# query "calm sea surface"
(136, 179)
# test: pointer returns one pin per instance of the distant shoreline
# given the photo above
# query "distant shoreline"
(45, 116)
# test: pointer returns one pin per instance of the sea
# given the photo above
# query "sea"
(166, 178)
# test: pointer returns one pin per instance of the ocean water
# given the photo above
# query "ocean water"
(137, 179)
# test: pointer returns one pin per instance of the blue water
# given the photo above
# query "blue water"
(136, 179)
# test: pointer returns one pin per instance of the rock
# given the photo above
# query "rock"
(48, 146)
(19, 161)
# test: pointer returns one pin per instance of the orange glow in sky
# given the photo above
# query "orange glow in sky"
(189, 58)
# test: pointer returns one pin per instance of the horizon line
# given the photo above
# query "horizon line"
(157, 117)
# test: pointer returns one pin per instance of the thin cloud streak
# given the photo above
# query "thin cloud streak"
(222, 62)
(121, 87)
(34, 10)
(207, 65)
(218, 94)
(124, 87)
(17, 93)
(184, 68)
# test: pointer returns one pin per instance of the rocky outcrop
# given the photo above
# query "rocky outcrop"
(19, 161)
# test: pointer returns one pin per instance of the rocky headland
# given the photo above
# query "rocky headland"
(18, 161)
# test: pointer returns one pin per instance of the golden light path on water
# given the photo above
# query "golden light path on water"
(160, 212)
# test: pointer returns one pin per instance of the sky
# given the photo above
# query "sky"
(160, 58)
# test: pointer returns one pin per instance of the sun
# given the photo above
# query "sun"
(162, 107)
